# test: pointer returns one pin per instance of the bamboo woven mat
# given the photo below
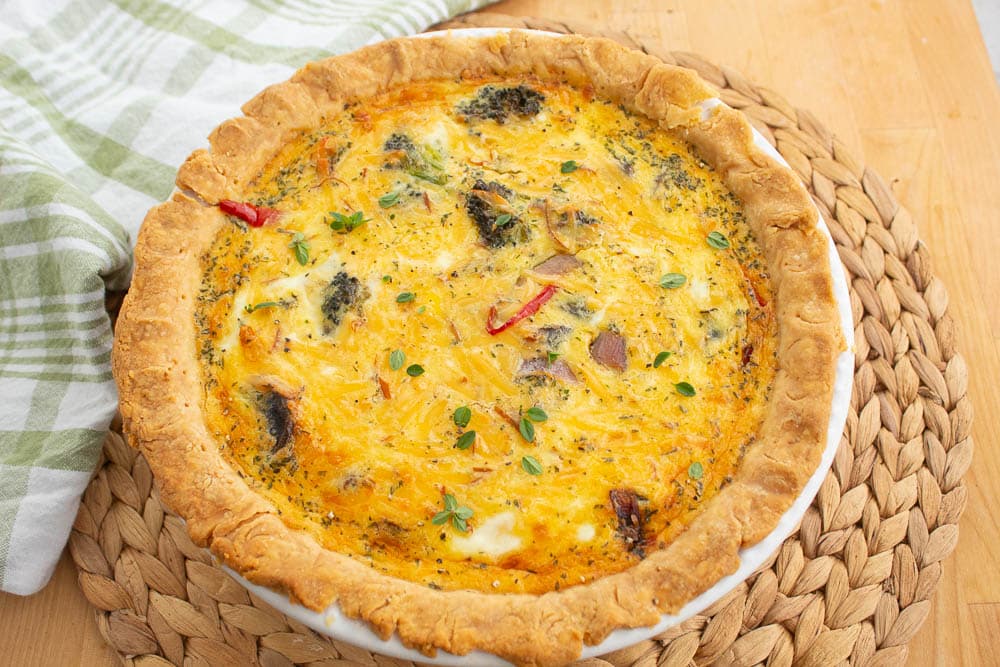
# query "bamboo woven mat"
(853, 584)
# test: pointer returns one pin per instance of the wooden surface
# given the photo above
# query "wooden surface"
(908, 87)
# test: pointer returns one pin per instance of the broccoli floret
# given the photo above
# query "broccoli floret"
(496, 228)
(343, 293)
(420, 161)
(499, 104)
(399, 142)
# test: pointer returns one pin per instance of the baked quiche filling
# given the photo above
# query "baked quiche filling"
(481, 335)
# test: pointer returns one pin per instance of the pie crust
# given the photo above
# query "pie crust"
(156, 365)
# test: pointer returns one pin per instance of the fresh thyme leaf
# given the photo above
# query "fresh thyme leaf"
(414, 370)
(527, 429)
(346, 223)
(660, 358)
(388, 200)
(531, 465)
(421, 310)
(459, 515)
(536, 414)
(258, 306)
(569, 166)
(405, 297)
(387, 278)
(301, 248)
(672, 280)
(684, 389)
(696, 470)
(717, 241)
(465, 440)
(552, 356)
(396, 359)
(503, 220)
(462, 416)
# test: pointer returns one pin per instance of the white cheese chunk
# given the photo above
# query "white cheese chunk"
(493, 538)
(699, 291)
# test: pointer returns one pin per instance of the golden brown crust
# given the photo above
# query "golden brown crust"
(156, 365)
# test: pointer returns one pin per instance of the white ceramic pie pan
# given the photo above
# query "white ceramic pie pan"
(333, 623)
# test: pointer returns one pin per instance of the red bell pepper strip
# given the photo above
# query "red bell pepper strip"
(527, 310)
(255, 216)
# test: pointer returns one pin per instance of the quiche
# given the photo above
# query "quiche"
(497, 343)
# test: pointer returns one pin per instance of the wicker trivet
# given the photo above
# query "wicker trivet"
(853, 584)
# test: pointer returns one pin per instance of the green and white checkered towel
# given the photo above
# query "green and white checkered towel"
(100, 102)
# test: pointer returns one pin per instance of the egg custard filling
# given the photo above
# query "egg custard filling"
(489, 335)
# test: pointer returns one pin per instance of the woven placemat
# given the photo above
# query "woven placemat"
(853, 584)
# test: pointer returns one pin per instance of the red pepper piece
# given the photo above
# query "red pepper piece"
(255, 216)
(527, 310)
(761, 301)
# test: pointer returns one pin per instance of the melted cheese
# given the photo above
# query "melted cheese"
(370, 451)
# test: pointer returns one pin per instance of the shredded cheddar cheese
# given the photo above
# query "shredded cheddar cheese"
(409, 229)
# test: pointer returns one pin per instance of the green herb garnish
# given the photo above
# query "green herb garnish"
(458, 515)
(462, 416)
(717, 241)
(536, 414)
(552, 356)
(388, 200)
(346, 223)
(696, 470)
(396, 359)
(405, 297)
(258, 306)
(465, 440)
(527, 429)
(301, 248)
(531, 465)
(387, 278)
(414, 370)
(672, 280)
(684, 388)
(569, 166)
(660, 358)
(503, 220)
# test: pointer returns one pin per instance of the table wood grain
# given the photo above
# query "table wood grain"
(908, 86)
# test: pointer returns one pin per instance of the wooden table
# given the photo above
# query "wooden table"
(908, 86)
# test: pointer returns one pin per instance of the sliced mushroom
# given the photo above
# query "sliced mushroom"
(625, 503)
(540, 366)
(278, 417)
(557, 265)
(275, 400)
(608, 349)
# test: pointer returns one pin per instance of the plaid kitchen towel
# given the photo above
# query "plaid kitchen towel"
(100, 102)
